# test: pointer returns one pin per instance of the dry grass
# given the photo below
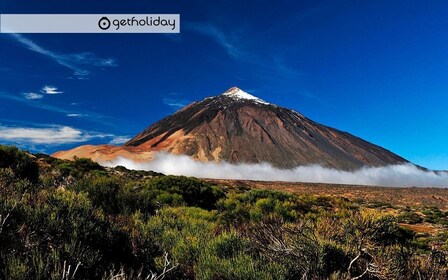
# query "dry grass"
(422, 228)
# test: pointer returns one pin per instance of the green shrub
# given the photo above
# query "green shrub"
(79, 167)
(434, 215)
(21, 163)
(182, 232)
(103, 192)
(332, 258)
(409, 218)
(65, 223)
(241, 266)
(386, 231)
(228, 256)
(255, 205)
(227, 245)
(193, 191)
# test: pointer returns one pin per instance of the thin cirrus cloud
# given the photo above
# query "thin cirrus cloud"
(31, 103)
(93, 116)
(79, 63)
(118, 140)
(76, 115)
(272, 69)
(32, 95)
(51, 135)
(175, 103)
(218, 36)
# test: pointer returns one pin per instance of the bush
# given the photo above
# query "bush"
(241, 266)
(183, 232)
(116, 222)
(63, 226)
(194, 192)
(102, 191)
(409, 218)
(22, 164)
(386, 231)
(78, 168)
(434, 215)
(228, 245)
(254, 205)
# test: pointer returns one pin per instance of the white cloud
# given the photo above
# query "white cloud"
(49, 135)
(175, 103)
(393, 175)
(50, 90)
(32, 95)
(75, 115)
(93, 116)
(76, 61)
(118, 140)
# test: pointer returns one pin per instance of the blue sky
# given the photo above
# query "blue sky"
(377, 69)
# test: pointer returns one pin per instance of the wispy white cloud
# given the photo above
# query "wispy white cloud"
(45, 89)
(51, 135)
(76, 115)
(32, 95)
(50, 90)
(118, 140)
(48, 135)
(93, 116)
(218, 36)
(392, 175)
(34, 104)
(77, 62)
(175, 103)
(285, 69)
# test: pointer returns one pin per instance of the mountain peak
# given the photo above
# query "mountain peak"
(239, 94)
(237, 127)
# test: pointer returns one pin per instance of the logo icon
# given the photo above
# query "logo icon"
(104, 23)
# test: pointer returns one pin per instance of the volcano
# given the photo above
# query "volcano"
(238, 127)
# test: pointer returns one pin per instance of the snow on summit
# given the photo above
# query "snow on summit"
(239, 94)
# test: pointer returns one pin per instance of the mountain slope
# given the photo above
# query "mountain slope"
(239, 128)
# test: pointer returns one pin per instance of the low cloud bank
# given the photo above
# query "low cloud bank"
(392, 175)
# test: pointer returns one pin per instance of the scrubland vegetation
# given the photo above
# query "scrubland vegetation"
(78, 220)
